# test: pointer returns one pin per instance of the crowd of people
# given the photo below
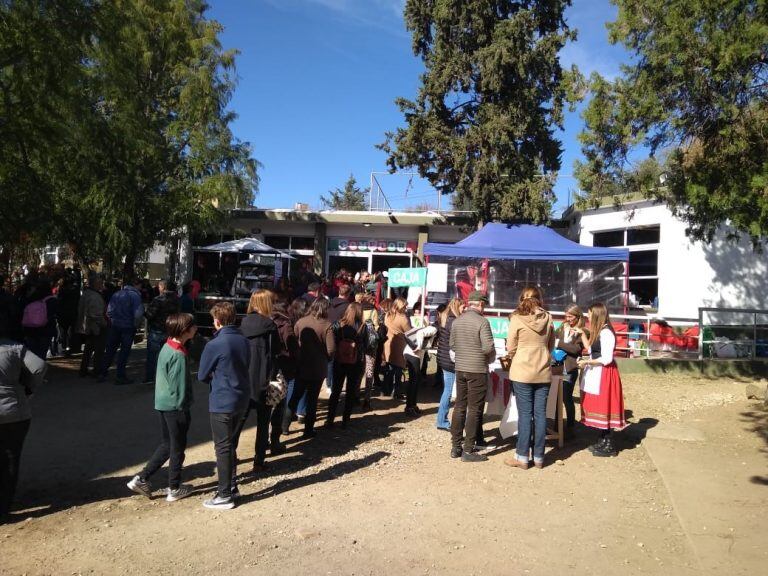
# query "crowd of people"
(274, 361)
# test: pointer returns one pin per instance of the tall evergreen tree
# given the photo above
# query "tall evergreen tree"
(161, 84)
(482, 125)
(42, 46)
(349, 198)
(696, 94)
(118, 132)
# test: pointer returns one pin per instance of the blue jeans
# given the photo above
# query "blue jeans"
(301, 409)
(329, 376)
(122, 338)
(155, 341)
(445, 400)
(531, 402)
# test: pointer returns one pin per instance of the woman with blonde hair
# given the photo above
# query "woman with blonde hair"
(397, 324)
(530, 341)
(602, 398)
(444, 361)
(568, 339)
(264, 339)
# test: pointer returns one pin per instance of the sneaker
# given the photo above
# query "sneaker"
(181, 492)
(300, 419)
(456, 452)
(219, 503)
(473, 457)
(140, 486)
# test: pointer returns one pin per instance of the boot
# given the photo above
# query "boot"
(287, 415)
(598, 445)
(275, 446)
(607, 449)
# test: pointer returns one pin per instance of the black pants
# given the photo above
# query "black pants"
(351, 374)
(266, 416)
(11, 442)
(223, 428)
(414, 379)
(174, 426)
(94, 345)
(471, 389)
(569, 383)
(312, 388)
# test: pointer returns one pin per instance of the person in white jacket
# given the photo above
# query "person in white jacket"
(417, 342)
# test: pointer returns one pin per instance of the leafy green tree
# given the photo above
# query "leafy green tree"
(120, 133)
(482, 125)
(351, 197)
(42, 45)
(160, 85)
(696, 96)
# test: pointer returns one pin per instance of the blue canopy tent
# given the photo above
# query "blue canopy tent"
(503, 258)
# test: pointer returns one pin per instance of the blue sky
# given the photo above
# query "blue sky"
(318, 80)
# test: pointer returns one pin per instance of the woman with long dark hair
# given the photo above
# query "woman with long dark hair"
(602, 397)
(316, 347)
(349, 334)
(530, 341)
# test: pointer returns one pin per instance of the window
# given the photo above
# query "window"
(290, 242)
(644, 263)
(643, 270)
(608, 239)
(645, 235)
(279, 242)
(302, 243)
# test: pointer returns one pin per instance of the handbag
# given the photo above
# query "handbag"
(277, 388)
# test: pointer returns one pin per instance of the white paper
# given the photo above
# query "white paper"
(437, 277)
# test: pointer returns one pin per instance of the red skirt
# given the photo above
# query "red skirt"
(606, 409)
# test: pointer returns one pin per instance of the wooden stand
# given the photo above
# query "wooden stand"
(559, 433)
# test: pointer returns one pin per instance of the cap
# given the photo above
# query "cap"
(477, 296)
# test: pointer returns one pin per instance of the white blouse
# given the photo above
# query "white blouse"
(590, 382)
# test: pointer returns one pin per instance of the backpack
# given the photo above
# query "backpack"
(371, 338)
(346, 348)
(36, 314)
(346, 353)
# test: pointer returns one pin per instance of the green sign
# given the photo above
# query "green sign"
(499, 326)
(410, 277)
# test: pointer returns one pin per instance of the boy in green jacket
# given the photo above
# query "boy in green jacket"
(173, 397)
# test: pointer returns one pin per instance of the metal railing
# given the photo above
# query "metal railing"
(742, 347)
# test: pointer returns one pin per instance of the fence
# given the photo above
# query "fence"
(745, 338)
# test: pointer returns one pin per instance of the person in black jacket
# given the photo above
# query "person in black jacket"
(262, 334)
(339, 304)
(349, 334)
(444, 360)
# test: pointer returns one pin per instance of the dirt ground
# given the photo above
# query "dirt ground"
(687, 494)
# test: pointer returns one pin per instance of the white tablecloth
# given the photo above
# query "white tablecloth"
(500, 400)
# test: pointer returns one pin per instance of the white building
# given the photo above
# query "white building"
(664, 264)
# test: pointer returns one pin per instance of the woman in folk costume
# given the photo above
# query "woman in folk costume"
(602, 400)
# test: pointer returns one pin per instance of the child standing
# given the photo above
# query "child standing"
(224, 364)
(173, 397)
(602, 399)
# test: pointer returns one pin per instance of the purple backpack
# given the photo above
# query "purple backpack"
(36, 314)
